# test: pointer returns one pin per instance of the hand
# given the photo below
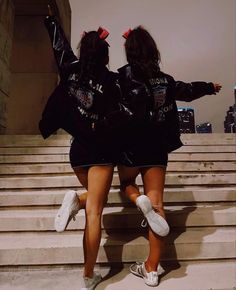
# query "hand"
(50, 10)
(217, 87)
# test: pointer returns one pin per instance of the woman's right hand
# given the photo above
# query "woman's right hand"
(217, 87)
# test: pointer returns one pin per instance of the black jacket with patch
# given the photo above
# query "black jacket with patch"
(153, 103)
(84, 110)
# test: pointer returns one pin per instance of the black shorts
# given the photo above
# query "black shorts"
(82, 155)
(143, 158)
(140, 147)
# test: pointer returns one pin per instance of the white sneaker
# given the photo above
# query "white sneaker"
(156, 222)
(150, 278)
(91, 283)
(69, 208)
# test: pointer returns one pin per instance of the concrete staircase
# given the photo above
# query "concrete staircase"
(200, 200)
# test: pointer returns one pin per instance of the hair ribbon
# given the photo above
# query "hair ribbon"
(126, 34)
(102, 32)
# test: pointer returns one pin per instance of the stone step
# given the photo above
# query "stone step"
(65, 149)
(37, 150)
(47, 248)
(38, 197)
(119, 218)
(64, 140)
(64, 158)
(55, 168)
(190, 275)
(70, 180)
(209, 139)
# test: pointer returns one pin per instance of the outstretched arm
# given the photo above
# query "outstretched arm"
(191, 91)
(61, 47)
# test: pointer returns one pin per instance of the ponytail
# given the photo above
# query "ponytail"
(93, 56)
(142, 53)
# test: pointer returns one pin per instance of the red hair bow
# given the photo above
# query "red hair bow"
(126, 34)
(103, 33)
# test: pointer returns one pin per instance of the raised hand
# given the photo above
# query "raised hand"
(217, 87)
(50, 10)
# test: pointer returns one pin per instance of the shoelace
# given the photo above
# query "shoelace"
(144, 223)
(73, 215)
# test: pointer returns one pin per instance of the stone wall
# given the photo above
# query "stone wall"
(64, 11)
(6, 35)
(33, 69)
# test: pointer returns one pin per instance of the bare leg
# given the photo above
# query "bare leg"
(127, 177)
(82, 174)
(99, 182)
(154, 180)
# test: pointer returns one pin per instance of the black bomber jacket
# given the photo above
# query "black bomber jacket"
(79, 111)
(154, 101)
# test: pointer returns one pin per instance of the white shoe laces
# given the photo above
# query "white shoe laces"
(144, 223)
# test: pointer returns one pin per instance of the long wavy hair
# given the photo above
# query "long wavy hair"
(93, 55)
(142, 52)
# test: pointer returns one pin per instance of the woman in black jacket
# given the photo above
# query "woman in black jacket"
(151, 133)
(83, 104)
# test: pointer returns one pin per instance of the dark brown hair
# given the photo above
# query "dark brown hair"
(142, 52)
(93, 55)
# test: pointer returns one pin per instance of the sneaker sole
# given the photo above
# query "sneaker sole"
(157, 223)
(63, 215)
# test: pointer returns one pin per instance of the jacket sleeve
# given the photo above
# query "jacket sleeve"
(116, 112)
(51, 116)
(188, 92)
(63, 52)
(118, 109)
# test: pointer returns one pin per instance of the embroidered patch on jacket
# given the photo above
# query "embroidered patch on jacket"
(159, 94)
(85, 97)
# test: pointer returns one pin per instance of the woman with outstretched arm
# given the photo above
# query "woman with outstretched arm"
(83, 104)
(151, 133)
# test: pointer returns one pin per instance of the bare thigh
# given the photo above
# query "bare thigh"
(82, 175)
(99, 183)
(127, 175)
